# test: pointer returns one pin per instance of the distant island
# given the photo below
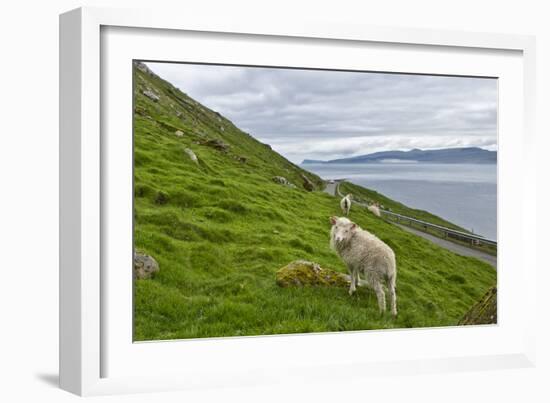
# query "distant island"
(466, 155)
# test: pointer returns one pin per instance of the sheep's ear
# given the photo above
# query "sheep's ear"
(333, 220)
(353, 225)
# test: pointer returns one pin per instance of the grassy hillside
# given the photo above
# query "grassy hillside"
(220, 229)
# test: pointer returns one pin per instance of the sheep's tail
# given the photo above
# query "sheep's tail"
(393, 296)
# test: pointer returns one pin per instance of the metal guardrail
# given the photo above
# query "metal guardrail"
(446, 231)
(473, 238)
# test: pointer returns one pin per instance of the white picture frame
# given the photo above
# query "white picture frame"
(96, 355)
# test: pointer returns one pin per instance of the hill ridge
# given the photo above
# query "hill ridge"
(452, 155)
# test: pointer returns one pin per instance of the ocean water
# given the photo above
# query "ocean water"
(465, 194)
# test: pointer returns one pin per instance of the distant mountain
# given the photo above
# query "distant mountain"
(467, 155)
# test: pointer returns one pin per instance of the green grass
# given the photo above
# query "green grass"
(221, 229)
(368, 196)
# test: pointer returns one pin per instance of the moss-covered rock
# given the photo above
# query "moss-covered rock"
(145, 266)
(483, 312)
(302, 273)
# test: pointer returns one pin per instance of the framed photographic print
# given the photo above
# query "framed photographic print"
(244, 203)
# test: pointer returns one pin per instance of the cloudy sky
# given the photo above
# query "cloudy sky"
(328, 114)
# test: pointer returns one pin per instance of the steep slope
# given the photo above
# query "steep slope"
(175, 111)
(221, 228)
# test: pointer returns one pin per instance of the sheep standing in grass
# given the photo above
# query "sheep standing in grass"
(345, 204)
(365, 254)
(374, 209)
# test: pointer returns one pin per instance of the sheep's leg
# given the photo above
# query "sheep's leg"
(352, 277)
(393, 297)
(352, 287)
(381, 296)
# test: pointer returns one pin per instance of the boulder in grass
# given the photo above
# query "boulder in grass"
(302, 273)
(281, 180)
(484, 312)
(145, 266)
(178, 133)
(191, 155)
(141, 66)
(216, 144)
(151, 95)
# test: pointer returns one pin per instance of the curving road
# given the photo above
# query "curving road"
(453, 247)
(332, 189)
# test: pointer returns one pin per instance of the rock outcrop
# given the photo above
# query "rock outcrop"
(191, 155)
(281, 180)
(301, 273)
(151, 95)
(145, 267)
(215, 143)
(483, 312)
(141, 66)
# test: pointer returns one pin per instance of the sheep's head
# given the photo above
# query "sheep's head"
(342, 229)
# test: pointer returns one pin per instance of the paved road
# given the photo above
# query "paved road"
(453, 247)
(331, 189)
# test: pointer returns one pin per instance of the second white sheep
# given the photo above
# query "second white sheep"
(345, 204)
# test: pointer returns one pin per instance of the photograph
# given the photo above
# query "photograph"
(275, 200)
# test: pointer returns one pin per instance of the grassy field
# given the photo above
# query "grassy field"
(220, 230)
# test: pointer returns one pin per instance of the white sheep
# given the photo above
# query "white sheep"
(374, 209)
(365, 254)
(345, 204)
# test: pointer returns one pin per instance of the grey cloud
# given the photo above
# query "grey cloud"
(328, 114)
